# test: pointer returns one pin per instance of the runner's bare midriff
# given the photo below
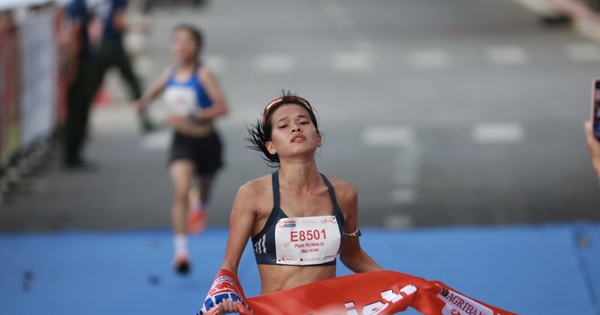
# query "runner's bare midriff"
(276, 277)
(197, 130)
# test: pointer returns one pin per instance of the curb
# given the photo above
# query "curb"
(585, 21)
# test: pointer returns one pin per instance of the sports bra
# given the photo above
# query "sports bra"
(292, 241)
(183, 98)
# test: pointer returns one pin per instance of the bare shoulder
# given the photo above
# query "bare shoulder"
(251, 196)
(255, 188)
(205, 73)
(344, 191)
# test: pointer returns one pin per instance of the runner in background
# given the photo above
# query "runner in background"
(80, 69)
(194, 100)
(112, 15)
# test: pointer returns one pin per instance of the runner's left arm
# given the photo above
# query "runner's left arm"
(153, 90)
(351, 253)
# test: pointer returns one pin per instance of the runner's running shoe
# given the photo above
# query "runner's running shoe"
(196, 221)
(181, 264)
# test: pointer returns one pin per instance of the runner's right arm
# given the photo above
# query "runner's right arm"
(154, 89)
(243, 215)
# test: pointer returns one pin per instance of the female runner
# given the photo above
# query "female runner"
(296, 204)
(194, 100)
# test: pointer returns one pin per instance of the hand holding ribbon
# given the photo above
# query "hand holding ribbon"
(225, 287)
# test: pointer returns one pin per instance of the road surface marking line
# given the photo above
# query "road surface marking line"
(583, 52)
(507, 56)
(391, 136)
(352, 61)
(215, 63)
(275, 63)
(402, 196)
(487, 133)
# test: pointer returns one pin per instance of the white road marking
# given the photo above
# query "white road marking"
(394, 136)
(275, 63)
(403, 196)
(352, 61)
(156, 141)
(405, 168)
(215, 63)
(396, 221)
(583, 52)
(507, 55)
(429, 59)
(487, 133)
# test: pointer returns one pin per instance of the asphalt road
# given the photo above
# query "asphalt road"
(463, 112)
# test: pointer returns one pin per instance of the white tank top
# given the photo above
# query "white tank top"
(183, 98)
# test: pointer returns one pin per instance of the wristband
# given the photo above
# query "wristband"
(355, 233)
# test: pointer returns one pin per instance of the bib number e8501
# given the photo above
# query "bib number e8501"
(309, 235)
(307, 241)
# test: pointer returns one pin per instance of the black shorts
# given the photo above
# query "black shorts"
(204, 152)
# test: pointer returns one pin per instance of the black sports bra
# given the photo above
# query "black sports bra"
(264, 242)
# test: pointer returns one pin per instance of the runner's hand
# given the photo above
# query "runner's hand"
(139, 106)
(227, 307)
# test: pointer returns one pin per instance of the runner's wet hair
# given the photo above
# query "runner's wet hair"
(193, 30)
(261, 133)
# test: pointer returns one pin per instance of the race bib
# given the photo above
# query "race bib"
(180, 100)
(307, 241)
